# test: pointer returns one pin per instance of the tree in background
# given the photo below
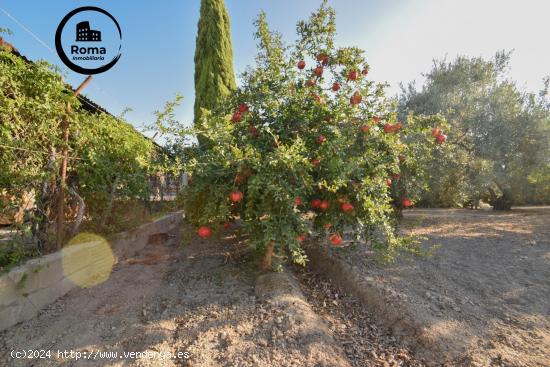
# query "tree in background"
(214, 75)
(500, 135)
(539, 111)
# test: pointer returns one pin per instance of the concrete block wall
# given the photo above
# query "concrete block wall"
(28, 288)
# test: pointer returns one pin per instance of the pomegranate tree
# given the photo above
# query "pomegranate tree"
(306, 147)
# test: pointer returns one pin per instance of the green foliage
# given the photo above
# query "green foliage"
(13, 254)
(108, 158)
(168, 128)
(500, 136)
(15, 247)
(111, 150)
(214, 75)
(32, 103)
(265, 142)
(113, 161)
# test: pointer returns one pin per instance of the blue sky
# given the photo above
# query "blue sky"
(401, 38)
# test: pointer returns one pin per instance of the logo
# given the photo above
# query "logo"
(88, 40)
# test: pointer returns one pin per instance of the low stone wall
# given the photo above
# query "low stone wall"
(28, 288)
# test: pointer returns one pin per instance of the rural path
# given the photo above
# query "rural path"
(200, 306)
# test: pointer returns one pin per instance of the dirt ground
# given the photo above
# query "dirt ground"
(485, 294)
(365, 343)
(202, 302)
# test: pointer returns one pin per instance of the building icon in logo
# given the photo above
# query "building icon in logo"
(84, 33)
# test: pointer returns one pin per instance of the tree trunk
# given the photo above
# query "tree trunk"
(502, 202)
(60, 226)
(80, 214)
(109, 208)
(41, 220)
(44, 209)
(162, 186)
(266, 264)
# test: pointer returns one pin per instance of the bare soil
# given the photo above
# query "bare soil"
(202, 300)
(365, 342)
(484, 294)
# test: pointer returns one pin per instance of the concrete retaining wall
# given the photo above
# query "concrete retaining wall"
(28, 288)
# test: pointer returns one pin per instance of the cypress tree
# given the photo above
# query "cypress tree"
(214, 75)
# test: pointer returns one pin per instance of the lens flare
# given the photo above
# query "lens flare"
(87, 260)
